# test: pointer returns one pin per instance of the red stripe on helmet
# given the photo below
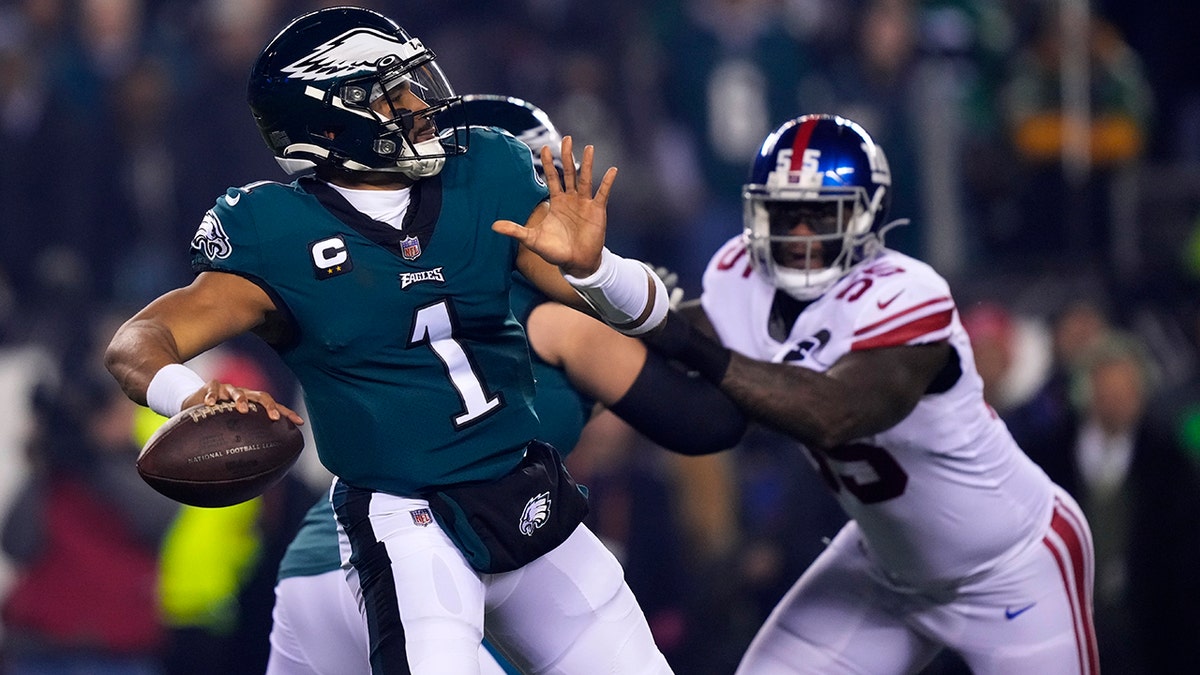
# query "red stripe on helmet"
(800, 143)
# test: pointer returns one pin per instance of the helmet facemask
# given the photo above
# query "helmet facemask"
(402, 98)
(804, 240)
(815, 204)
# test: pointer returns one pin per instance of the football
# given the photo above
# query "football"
(213, 455)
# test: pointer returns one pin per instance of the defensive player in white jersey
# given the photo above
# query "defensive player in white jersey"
(956, 539)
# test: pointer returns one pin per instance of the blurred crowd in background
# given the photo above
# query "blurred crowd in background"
(1047, 153)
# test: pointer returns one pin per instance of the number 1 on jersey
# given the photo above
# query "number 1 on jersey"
(432, 325)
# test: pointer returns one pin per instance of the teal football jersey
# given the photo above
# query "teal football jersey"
(562, 409)
(414, 370)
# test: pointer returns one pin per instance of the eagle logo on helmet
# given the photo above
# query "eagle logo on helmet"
(352, 52)
(535, 514)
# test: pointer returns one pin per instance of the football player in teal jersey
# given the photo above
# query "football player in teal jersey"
(383, 281)
(577, 361)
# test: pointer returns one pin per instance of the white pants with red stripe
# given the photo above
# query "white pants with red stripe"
(1033, 614)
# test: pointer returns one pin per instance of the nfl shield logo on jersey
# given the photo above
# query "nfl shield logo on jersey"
(422, 517)
(410, 248)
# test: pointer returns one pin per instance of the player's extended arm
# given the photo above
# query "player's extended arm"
(864, 393)
(549, 280)
(180, 325)
(676, 410)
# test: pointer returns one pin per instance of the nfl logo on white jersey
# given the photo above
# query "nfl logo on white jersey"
(422, 517)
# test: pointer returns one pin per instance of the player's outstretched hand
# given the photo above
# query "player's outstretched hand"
(570, 233)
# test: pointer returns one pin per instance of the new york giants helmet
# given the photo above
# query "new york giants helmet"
(323, 92)
(826, 173)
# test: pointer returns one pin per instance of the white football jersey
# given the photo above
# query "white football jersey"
(946, 493)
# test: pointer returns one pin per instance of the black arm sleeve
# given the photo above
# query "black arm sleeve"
(681, 412)
(678, 340)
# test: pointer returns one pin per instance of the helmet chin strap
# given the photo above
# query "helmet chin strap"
(413, 167)
(796, 284)
(422, 167)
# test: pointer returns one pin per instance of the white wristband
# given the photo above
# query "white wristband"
(169, 387)
(627, 294)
